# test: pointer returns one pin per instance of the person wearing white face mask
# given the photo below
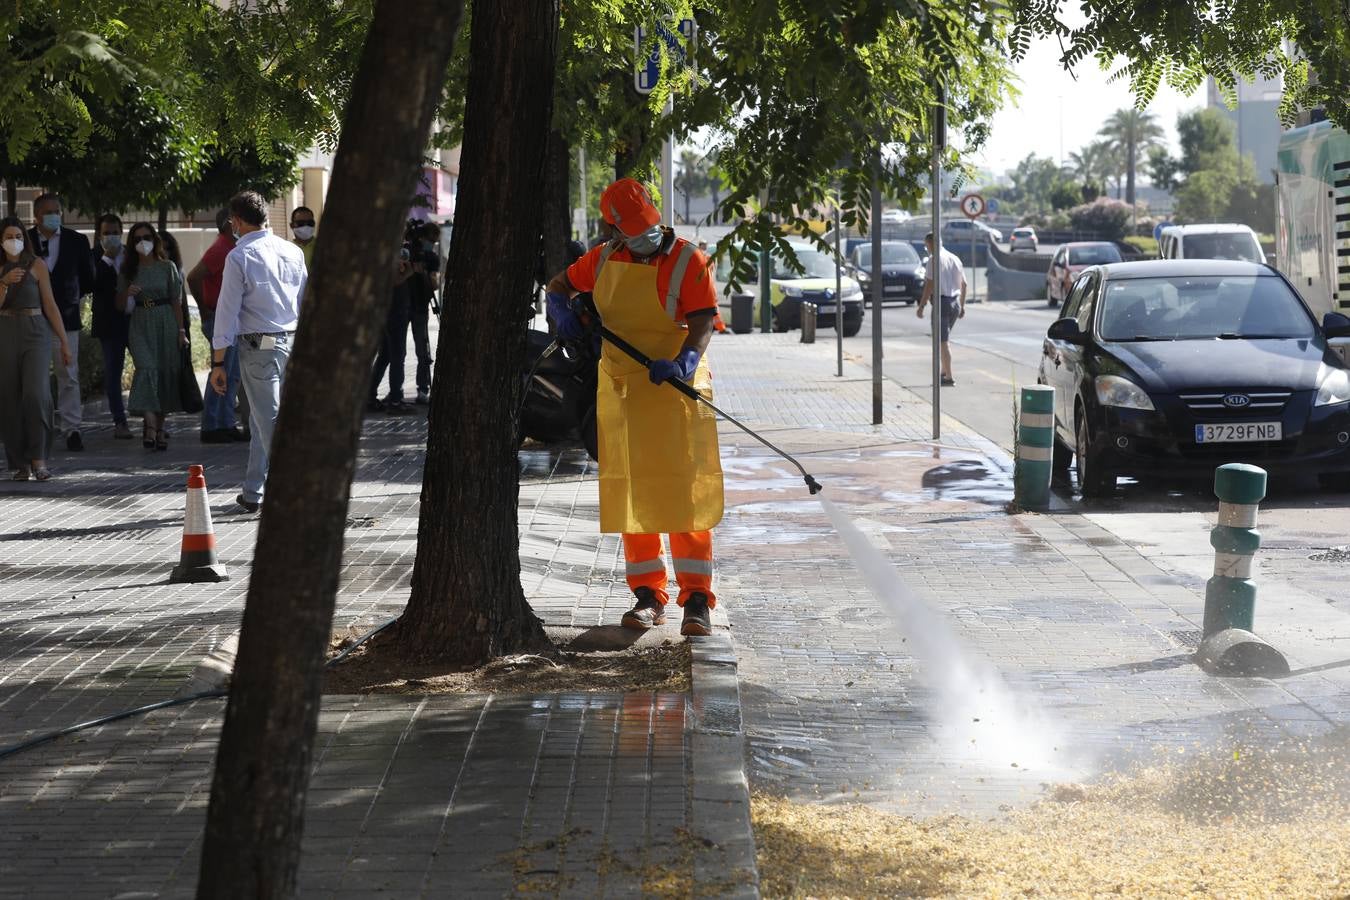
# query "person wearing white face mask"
(25, 353)
(110, 323)
(303, 227)
(70, 266)
(150, 290)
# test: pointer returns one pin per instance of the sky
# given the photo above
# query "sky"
(1035, 124)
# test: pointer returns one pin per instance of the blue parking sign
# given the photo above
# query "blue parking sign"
(648, 73)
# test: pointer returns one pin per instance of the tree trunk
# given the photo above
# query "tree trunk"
(163, 222)
(557, 224)
(254, 824)
(467, 605)
(11, 196)
(1130, 161)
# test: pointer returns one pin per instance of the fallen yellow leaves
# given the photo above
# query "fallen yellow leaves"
(1250, 823)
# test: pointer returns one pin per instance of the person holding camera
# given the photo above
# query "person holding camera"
(394, 346)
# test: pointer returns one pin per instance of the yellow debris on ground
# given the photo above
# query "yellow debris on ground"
(1234, 823)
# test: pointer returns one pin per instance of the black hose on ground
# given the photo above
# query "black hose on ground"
(162, 704)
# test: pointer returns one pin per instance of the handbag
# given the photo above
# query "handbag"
(188, 391)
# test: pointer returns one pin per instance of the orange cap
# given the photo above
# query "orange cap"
(626, 205)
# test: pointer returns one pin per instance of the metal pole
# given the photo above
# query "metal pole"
(875, 225)
(838, 298)
(668, 168)
(765, 311)
(584, 202)
(939, 139)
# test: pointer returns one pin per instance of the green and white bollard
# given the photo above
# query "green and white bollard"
(1229, 647)
(1035, 447)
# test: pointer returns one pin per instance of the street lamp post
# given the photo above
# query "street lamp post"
(935, 261)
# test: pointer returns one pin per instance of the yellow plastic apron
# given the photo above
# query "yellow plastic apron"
(660, 471)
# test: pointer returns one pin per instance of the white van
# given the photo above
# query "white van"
(1236, 242)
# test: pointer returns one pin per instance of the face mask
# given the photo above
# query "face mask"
(144, 247)
(304, 232)
(14, 246)
(647, 243)
(111, 244)
(51, 221)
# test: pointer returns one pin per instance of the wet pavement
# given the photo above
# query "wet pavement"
(1093, 636)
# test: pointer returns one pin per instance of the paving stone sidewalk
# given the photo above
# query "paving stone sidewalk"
(584, 795)
(563, 794)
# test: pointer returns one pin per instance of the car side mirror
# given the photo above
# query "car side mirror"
(1336, 325)
(1066, 330)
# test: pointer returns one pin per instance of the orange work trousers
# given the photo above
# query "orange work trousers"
(690, 554)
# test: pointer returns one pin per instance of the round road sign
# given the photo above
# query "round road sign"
(972, 205)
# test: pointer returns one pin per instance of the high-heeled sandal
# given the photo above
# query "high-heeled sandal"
(148, 437)
(161, 439)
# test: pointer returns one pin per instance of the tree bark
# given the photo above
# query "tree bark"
(557, 224)
(254, 824)
(467, 605)
(11, 196)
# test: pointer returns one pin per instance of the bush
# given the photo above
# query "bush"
(1145, 245)
(1110, 219)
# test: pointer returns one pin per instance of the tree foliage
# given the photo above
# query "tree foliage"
(1181, 43)
(801, 99)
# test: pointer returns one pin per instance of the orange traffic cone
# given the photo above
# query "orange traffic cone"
(197, 560)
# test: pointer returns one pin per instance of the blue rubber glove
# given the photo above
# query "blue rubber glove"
(560, 311)
(681, 367)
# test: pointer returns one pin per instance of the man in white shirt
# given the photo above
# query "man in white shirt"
(257, 312)
(952, 299)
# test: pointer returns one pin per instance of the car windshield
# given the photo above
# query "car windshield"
(891, 255)
(816, 264)
(1232, 245)
(1022, 232)
(1093, 255)
(1194, 308)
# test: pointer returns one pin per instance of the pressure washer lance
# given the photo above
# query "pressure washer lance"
(688, 391)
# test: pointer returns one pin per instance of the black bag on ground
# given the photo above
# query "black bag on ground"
(189, 393)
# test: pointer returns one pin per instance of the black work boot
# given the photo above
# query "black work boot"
(697, 619)
(646, 613)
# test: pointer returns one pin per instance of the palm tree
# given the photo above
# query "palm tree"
(1131, 132)
(1093, 164)
(692, 178)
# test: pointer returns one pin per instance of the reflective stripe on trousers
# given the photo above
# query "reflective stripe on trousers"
(691, 555)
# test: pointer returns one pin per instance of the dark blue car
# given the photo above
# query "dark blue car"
(1173, 367)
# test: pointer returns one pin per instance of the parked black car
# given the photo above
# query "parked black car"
(1174, 367)
(902, 272)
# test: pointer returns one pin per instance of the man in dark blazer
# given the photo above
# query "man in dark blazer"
(71, 264)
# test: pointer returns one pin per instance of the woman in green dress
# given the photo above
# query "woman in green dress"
(149, 287)
(28, 322)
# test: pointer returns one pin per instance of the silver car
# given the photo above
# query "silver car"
(1023, 238)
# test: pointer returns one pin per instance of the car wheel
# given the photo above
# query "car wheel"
(779, 326)
(1094, 479)
(852, 325)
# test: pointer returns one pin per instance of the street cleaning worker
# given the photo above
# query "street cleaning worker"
(659, 466)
